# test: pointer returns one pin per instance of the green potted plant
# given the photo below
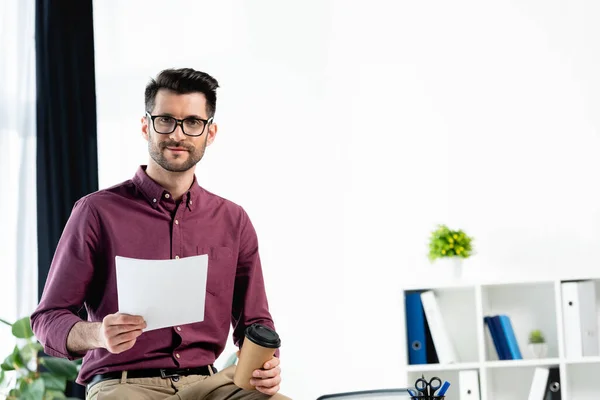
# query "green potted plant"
(24, 374)
(448, 244)
(537, 344)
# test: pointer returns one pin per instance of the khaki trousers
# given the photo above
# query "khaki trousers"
(219, 386)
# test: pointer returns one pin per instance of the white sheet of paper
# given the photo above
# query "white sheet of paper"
(165, 292)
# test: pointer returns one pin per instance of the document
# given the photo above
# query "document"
(165, 292)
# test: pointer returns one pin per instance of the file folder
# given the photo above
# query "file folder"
(415, 329)
(468, 385)
(514, 352)
(571, 319)
(495, 337)
(586, 291)
(441, 339)
(553, 390)
(432, 357)
(537, 391)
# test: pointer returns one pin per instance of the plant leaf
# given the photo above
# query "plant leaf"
(7, 365)
(61, 367)
(13, 362)
(53, 382)
(22, 328)
(30, 351)
(1, 376)
(33, 391)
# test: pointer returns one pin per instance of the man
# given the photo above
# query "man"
(162, 213)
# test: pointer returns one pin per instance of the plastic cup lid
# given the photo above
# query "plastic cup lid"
(263, 336)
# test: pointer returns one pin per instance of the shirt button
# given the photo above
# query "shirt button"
(167, 195)
(177, 355)
(154, 200)
(176, 222)
(177, 257)
(179, 328)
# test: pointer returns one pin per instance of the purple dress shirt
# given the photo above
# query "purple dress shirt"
(139, 219)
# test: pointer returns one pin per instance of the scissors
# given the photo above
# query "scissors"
(428, 388)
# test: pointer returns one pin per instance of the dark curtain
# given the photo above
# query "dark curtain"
(67, 166)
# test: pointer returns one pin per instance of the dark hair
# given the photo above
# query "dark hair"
(183, 81)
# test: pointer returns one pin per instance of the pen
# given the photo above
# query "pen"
(443, 389)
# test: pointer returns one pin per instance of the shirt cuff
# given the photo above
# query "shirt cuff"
(56, 343)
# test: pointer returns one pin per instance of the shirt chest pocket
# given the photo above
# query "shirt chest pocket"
(221, 269)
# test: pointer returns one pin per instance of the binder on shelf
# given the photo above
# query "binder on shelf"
(503, 336)
(468, 385)
(494, 335)
(588, 317)
(443, 345)
(514, 353)
(537, 391)
(553, 391)
(432, 357)
(571, 319)
(415, 329)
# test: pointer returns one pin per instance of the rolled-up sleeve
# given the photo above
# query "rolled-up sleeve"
(70, 274)
(250, 303)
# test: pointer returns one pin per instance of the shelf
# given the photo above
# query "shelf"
(522, 363)
(583, 360)
(530, 304)
(441, 367)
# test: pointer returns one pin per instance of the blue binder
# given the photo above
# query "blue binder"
(415, 329)
(501, 336)
(495, 337)
(512, 345)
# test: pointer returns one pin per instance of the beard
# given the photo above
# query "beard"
(194, 155)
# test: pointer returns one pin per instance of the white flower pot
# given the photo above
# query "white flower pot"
(538, 350)
(453, 264)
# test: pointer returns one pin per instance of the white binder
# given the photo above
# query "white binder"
(468, 385)
(589, 318)
(538, 384)
(571, 319)
(439, 334)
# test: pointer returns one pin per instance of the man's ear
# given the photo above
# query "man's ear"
(145, 127)
(212, 132)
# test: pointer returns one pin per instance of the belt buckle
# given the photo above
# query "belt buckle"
(165, 375)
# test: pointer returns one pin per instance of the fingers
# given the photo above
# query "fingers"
(272, 363)
(120, 331)
(266, 373)
(121, 347)
(123, 319)
(272, 391)
(114, 330)
(120, 343)
(266, 383)
(267, 380)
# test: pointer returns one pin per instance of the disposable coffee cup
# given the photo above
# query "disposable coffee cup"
(258, 348)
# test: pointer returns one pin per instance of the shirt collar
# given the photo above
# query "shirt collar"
(154, 193)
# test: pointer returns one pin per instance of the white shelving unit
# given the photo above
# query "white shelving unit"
(530, 305)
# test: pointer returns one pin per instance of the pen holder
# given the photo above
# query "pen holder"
(428, 397)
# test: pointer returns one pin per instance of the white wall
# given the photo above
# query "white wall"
(349, 131)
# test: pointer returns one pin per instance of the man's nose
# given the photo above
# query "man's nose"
(178, 134)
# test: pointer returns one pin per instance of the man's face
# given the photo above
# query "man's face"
(177, 152)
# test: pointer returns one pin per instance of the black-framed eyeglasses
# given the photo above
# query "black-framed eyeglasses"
(190, 126)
